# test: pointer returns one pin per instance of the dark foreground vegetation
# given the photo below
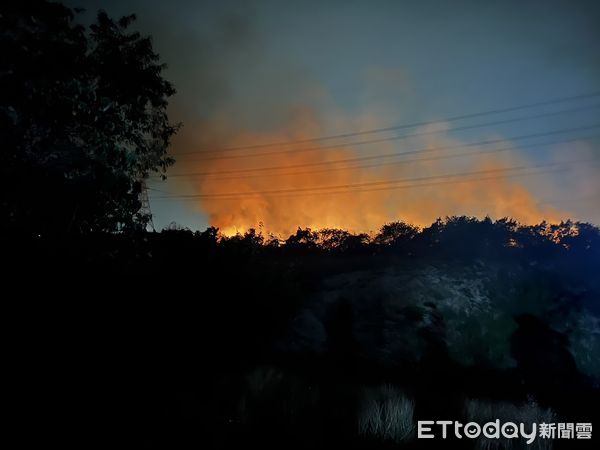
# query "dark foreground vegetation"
(189, 339)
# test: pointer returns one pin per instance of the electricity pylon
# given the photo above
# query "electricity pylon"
(145, 208)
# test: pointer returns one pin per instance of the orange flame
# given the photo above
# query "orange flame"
(360, 210)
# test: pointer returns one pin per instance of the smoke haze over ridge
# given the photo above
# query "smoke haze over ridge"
(256, 72)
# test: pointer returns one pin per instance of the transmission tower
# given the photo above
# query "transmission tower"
(145, 201)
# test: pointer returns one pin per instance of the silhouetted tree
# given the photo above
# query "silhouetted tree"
(332, 239)
(303, 239)
(82, 120)
(396, 235)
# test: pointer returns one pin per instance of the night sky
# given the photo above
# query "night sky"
(264, 71)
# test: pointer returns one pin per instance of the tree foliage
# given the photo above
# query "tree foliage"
(82, 117)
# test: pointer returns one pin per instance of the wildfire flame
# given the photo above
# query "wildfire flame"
(357, 210)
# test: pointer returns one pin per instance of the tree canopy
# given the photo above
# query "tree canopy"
(83, 120)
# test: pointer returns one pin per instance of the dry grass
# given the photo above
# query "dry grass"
(481, 411)
(386, 414)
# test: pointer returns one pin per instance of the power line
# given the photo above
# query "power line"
(574, 200)
(471, 180)
(157, 190)
(497, 177)
(394, 138)
(399, 127)
(357, 186)
(386, 155)
(406, 161)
